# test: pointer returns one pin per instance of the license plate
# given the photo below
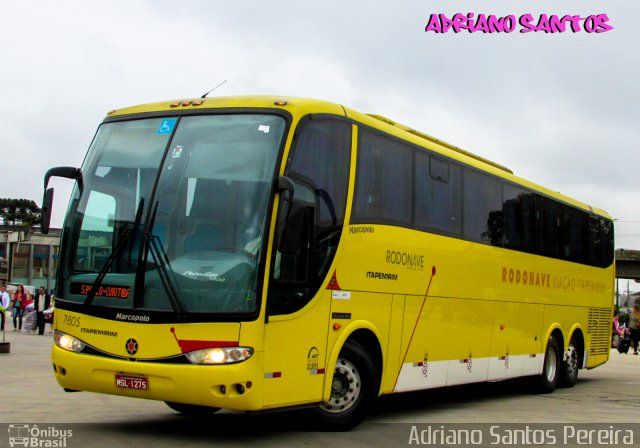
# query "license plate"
(132, 382)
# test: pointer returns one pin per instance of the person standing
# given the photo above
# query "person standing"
(41, 303)
(634, 327)
(19, 302)
(48, 313)
(4, 304)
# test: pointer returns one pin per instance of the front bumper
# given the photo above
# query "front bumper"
(233, 386)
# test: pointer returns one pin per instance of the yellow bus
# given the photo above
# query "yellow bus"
(259, 253)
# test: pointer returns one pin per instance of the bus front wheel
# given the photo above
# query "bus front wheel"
(192, 410)
(354, 389)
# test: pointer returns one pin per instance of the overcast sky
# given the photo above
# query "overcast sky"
(561, 109)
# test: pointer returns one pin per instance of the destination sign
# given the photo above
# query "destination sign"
(110, 291)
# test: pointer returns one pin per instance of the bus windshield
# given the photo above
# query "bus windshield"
(172, 212)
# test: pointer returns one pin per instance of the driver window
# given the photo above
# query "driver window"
(319, 164)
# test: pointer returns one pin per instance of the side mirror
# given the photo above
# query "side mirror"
(297, 205)
(47, 200)
(64, 171)
(291, 234)
(286, 189)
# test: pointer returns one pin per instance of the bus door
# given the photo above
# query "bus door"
(312, 207)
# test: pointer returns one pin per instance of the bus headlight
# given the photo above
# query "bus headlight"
(68, 342)
(222, 355)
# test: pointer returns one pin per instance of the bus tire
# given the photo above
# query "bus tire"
(192, 410)
(570, 365)
(354, 389)
(546, 382)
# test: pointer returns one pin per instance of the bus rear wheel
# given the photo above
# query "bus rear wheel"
(354, 389)
(546, 382)
(570, 365)
(192, 410)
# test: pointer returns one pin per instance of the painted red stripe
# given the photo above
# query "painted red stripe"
(191, 345)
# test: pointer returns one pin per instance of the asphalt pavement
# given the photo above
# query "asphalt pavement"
(30, 396)
(33, 395)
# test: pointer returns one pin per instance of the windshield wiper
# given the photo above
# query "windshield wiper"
(152, 243)
(114, 254)
(161, 261)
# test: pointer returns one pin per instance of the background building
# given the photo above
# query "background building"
(29, 258)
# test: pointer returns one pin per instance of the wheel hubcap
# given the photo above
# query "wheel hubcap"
(551, 365)
(571, 361)
(345, 388)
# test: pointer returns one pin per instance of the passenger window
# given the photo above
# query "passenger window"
(384, 185)
(482, 208)
(519, 215)
(437, 195)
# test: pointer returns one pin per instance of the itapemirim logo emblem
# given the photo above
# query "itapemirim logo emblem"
(131, 346)
(34, 436)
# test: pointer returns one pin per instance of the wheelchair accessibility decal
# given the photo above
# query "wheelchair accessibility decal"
(167, 125)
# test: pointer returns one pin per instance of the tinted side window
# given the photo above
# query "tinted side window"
(548, 241)
(601, 241)
(384, 184)
(399, 184)
(438, 186)
(575, 235)
(482, 213)
(519, 215)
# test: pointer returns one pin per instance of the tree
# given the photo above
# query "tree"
(24, 212)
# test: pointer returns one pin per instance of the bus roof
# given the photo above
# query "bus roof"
(295, 106)
(299, 107)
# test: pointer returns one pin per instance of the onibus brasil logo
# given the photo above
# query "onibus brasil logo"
(34, 436)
